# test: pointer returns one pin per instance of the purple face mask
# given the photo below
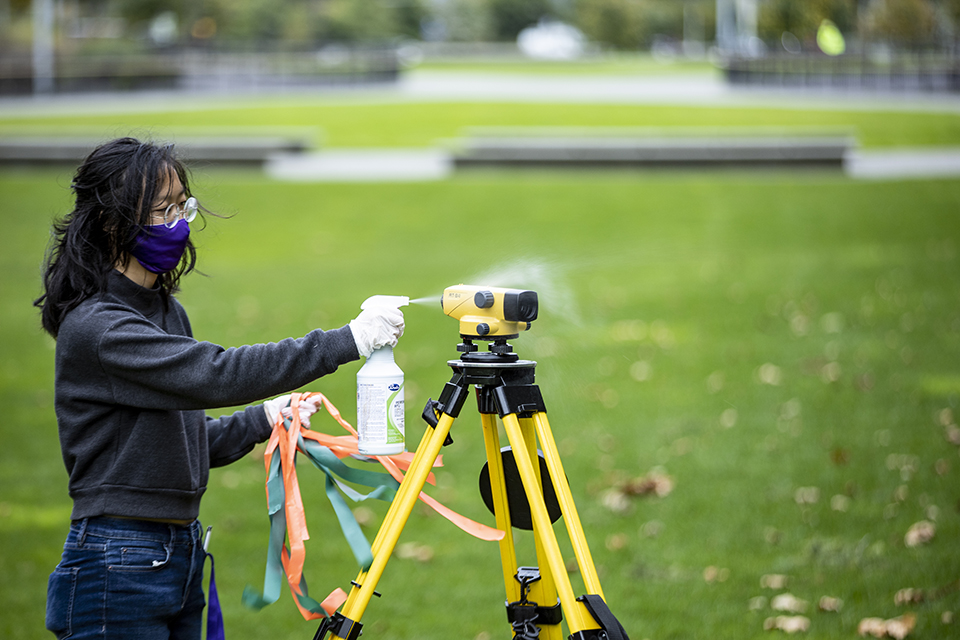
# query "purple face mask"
(159, 248)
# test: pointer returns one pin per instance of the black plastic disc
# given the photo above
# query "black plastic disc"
(520, 515)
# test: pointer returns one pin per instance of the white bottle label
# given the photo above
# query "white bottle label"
(380, 408)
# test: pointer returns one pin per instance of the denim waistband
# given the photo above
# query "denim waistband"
(106, 527)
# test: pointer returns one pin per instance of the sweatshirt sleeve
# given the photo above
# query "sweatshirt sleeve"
(232, 437)
(152, 369)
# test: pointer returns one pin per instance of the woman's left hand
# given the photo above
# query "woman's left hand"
(280, 406)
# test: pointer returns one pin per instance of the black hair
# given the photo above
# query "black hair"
(116, 187)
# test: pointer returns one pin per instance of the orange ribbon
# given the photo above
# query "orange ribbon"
(283, 442)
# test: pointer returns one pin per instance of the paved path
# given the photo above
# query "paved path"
(401, 165)
(362, 165)
(904, 163)
(696, 89)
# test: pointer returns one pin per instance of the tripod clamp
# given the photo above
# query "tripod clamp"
(525, 615)
(341, 626)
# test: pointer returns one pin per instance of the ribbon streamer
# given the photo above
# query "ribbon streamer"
(286, 512)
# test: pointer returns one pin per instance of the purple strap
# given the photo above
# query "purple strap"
(214, 615)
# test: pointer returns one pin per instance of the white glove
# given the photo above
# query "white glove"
(281, 406)
(376, 327)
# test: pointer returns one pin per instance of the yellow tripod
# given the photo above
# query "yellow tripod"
(538, 598)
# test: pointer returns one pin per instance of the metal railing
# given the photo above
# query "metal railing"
(204, 70)
(901, 72)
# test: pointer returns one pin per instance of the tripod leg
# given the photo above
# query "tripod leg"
(396, 518)
(577, 616)
(544, 590)
(508, 553)
(565, 497)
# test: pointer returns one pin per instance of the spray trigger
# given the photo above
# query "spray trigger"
(394, 302)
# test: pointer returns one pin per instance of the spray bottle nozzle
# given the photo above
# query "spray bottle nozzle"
(394, 302)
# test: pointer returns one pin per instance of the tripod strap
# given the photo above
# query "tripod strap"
(286, 512)
(602, 614)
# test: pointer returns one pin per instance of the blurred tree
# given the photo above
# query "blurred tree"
(952, 10)
(633, 24)
(353, 21)
(903, 23)
(616, 23)
(663, 19)
(461, 20)
(137, 11)
(410, 15)
(510, 17)
(251, 23)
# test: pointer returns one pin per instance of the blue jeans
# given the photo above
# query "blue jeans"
(123, 578)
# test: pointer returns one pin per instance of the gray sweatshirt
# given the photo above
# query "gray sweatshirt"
(131, 386)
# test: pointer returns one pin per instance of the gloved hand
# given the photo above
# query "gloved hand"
(376, 327)
(281, 406)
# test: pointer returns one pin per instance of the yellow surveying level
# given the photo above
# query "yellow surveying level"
(539, 598)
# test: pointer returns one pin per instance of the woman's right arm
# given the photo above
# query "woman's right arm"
(152, 369)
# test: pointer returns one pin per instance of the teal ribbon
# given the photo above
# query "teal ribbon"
(384, 487)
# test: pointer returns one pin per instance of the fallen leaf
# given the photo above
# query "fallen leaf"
(617, 541)
(715, 574)
(908, 596)
(840, 456)
(920, 533)
(728, 418)
(616, 500)
(902, 493)
(787, 624)
(840, 503)
(952, 433)
(364, 516)
(875, 627)
(415, 551)
(897, 628)
(788, 602)
(900, 628)
(770, 373)
(807, 495)
(773, 581)
(655, 483)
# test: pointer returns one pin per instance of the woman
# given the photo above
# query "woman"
(131, 387)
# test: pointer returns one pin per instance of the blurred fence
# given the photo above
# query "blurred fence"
(204, 70)
(918, 72)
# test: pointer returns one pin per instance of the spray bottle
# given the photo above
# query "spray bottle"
(380, 394)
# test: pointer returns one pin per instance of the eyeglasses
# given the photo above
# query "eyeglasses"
(187, 211)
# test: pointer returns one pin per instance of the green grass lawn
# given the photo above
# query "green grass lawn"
(760, 339)
(345, 123)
